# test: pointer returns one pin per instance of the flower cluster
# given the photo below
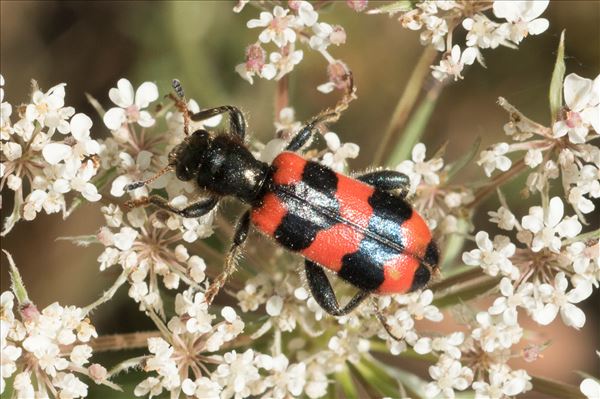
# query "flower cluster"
(188, 361)
(46, 153)
(437, 21)
(431, 193)
(143, 244)
(47, 352)
(562, 150)
(284, 28)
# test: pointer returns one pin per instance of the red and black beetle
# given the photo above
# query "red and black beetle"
(359, 228)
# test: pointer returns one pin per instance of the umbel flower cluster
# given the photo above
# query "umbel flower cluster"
(273, 340)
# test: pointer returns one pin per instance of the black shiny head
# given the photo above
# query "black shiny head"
(185, 158)
(220, 164)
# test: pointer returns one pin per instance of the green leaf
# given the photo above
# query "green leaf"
(17, 285)
(345, 381)
(468, 292)
(376, 378)
(467, 274)
(414, 130)
(393, 8)
(454, 245)
(556, 89)
(556, 389)
(411, 384)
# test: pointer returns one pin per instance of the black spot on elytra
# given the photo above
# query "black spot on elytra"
(320, 178)
(432, 254)
(389, 212)
(311, 204)
(422, 276)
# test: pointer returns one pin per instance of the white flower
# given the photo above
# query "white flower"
(278, 26)
(285, 63)
(48, 109)
(523, 17)
(493, 334)
(418, 169)
(502, 382)
(237, 373)
(534, 157)
(125, 238)
(256, 64)
(70, 386)
(435, 33)
(590, 388)
(504, 218)
(138, 168)
(557, 299)
(482, 32)
(419, 305)
(320, 40)
(494, 257)
(307, 15)
(507, 305)
(129, 108)
(582, 96)
(588, 184)
(339, 153)
(285, 379)
(494, 158)
(448, 345)
(453, 63)
(449, 374)
(548, 228)
(202, 388)
(150, 386)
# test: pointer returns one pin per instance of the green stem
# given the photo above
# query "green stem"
(415, 128)
(555, 389)
(496, 182)
(464, 277)
(407, 100)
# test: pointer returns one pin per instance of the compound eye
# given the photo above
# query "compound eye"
(183, 172)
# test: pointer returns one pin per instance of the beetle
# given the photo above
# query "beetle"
(362, 228)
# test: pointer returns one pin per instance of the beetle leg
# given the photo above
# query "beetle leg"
(194, 210)
(237, 123)
(384, 322)
(302, 137)
(241, 233)
(330, 115)
(321, 289)
(387, 180)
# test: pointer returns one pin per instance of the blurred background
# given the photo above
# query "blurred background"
(90, 45)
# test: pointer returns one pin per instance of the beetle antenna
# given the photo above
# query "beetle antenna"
(138, 184)
(181, 104)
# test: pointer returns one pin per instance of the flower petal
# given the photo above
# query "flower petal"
(80, 126)
(122, 95)
(114, 118)
(538, 26)
(572, 316)
(578, 91)
(145, 119)
(145, 94)
(55, 152)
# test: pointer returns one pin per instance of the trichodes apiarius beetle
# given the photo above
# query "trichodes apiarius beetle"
(361, 228)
